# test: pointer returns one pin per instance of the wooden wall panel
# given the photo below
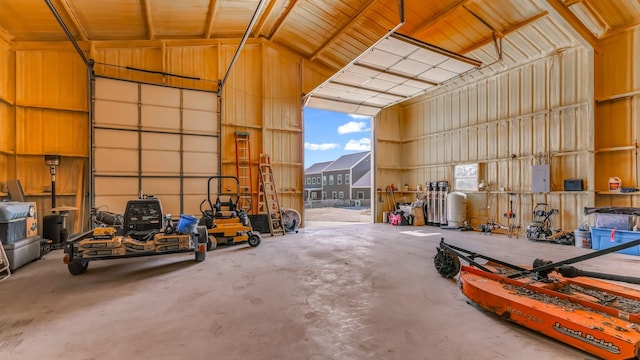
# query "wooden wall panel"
(8, 73)
(616, 64)
(283, 136)
(43, 131)
(6, 170)
(242, 93)
(199, 62)
(7, 128)
(51, 79)
(614, 127)
(282, 106)
(7, 116)
(119, 58)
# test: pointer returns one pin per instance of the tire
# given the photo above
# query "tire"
(78, 268)
(254, 240)
(200, 256)
(203, 236)
(212, 243)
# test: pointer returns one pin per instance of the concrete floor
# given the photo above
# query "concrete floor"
(365, 291)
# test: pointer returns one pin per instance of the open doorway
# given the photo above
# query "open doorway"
(338, 168)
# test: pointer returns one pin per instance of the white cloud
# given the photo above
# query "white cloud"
(363, 144)
(321, 147)
(352, 126)
(359, 117)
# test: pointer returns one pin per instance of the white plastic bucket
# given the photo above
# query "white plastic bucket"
(583, 238)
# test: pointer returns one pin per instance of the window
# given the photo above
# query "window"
(324, 179)
(318, 180)
(313, 181)
(324, 195)
(334, 195)
(308, 181)
(339, 179)
(341, 195)
(360, 194)
(331, 180)
(466, 177)
(347, 178)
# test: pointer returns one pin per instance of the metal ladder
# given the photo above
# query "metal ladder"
(243, 170)
(268, 197)
(5, 271)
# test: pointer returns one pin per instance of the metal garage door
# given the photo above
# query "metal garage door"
(150, 139)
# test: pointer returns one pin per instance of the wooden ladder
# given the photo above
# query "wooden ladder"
(268, 197)
(243, 170)
(5, 271)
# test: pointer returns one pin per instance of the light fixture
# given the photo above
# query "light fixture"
(52, 161)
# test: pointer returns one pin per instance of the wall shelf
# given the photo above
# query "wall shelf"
(617, 193)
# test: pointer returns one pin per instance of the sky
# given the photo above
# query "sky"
(329, 135)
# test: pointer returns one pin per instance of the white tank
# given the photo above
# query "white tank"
(456, 209)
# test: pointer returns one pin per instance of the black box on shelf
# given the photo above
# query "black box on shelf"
(573, 185)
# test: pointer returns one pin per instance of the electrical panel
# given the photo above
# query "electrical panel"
(541, 182)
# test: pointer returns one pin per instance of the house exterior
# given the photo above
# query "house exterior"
(313, 181)
(361, 189)
(338, 176)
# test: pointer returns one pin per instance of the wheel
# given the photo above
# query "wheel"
(212, 243)
(447, 263)
(200, 256)
(254, 240)
(77, 268)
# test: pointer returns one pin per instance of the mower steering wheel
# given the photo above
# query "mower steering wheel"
(206, 213)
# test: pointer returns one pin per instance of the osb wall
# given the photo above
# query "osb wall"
(617, 117)
(50, 112)
(536, 112)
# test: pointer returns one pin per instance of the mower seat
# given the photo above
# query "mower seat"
(226, 208)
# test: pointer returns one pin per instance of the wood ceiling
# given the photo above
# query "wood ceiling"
(329, 32)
